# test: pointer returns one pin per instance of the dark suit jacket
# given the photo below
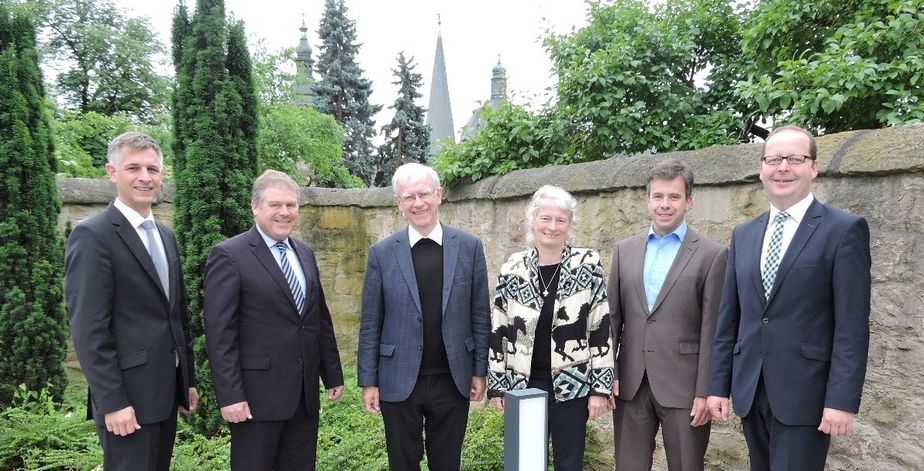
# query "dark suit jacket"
(673, 342)
(391, 329)
(126, 333)
(260, 349)
(811, 337)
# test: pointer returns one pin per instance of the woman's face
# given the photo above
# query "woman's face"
(551, 226)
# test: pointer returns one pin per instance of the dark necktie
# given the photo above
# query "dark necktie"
(290, 277)
(157, 255)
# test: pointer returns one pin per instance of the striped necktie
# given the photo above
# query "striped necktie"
(290, 277)
(772, 263)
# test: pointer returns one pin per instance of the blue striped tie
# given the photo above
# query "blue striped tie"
(290, 277)
(772, 263)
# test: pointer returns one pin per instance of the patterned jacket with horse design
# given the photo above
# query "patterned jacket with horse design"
(582, 353)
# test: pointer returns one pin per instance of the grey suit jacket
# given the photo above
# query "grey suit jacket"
(127, 334)
(673, 342)
(391, 329)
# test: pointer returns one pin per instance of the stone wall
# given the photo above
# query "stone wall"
(878, 174)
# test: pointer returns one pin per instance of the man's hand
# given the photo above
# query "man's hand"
(237, 412)
(836, 423)
(333, 394)
(478, 386)
(498, 402)
(700, 412)
(371, 399)
(596, 406)
(718, 407)
(122, 422)
(193, 402)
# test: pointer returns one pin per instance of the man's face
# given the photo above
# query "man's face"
(419, 203)
(788, 184)
(277, 214)
(137, 177)
(668, 204)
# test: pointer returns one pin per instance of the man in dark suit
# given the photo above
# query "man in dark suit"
(269, 335)
(664, 291)
(423, 337)
(127, 308)
(793, 330)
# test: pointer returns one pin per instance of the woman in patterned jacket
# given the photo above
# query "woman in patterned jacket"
(550, 326)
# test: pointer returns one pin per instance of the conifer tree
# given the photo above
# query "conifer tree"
(343, 92)
(215, 121)
(33, 337)
(407, 136)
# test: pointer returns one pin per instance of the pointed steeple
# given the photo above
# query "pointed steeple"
(439, 112)
(304, 65)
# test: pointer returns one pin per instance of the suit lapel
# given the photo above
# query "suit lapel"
(636, 264)
(681, 260)
(804, 232)
(754, 241)
(450, 255)
(406, 264)
(129, 236)
(263, 254)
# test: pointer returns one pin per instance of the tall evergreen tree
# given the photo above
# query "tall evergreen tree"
(407, 136)
(33, 337)
(215, 162)
(343, 92)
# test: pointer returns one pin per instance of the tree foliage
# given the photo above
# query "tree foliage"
(297, 140)
(215, 159)
(407, 136)
(343, 92)
(106, 62)
(33, 337)
(839, 65)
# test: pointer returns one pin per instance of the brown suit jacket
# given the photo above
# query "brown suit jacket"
(673, 342)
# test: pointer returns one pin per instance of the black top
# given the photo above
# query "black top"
(541, 367)
(428, 268)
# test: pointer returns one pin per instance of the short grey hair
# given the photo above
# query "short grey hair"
(413, 170)
(549, 196)
(271, 179)
(134, 141)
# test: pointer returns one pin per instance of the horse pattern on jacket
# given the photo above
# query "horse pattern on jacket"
(582, 358)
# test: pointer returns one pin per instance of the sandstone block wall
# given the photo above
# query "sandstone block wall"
(877, 174)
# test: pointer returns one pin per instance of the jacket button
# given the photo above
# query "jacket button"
(419, 348)
(299, 361)
(765, 320)
(651, 321)
(419, 319)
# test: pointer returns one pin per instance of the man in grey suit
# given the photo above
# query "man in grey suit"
(127, 308)
(423, 338)
(664, 291)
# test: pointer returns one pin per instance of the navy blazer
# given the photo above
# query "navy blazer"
(811, 337)
(260, 349)
(391, 329)
(127, 333)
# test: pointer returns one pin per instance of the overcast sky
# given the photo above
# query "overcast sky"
(474, 33)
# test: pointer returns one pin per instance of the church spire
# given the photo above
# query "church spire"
(303, 52)
(439, 111)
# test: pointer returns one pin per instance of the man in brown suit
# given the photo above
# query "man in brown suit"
(664, 291)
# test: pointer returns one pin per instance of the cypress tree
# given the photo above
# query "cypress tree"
(407, 136)
(216, 126)
(33, 336)
(343, 92)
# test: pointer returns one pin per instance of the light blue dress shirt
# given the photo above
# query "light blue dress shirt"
(659, 256)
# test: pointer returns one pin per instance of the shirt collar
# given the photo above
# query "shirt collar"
(133, 217)
(796, 211)
(436, 235)
(680, 232)
(270, 242)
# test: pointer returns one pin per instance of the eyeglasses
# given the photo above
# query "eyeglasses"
(794, 160)
(409, 198)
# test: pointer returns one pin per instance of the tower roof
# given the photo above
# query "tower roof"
(439, 112)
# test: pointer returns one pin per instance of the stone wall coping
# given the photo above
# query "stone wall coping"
(854, 153)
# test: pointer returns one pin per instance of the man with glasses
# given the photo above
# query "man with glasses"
(423, 337)
(793, 329)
